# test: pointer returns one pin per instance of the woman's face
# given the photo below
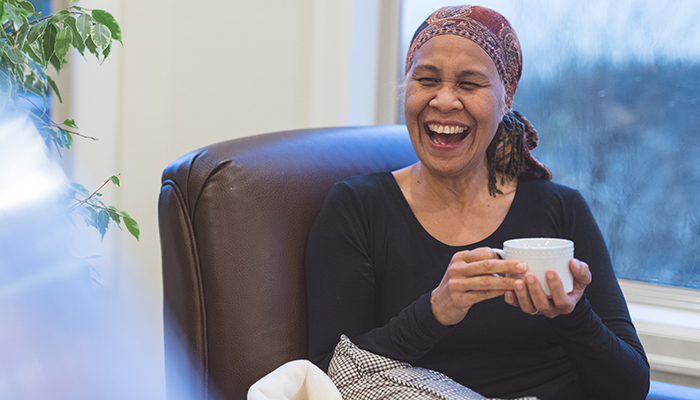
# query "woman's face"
(454, 103)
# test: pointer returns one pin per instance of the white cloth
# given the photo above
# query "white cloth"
(295, 380)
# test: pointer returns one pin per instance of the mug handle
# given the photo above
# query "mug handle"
(501, 254)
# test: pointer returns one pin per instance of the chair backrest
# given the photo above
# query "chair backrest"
(234, 218)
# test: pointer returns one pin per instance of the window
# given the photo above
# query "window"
(613, 89)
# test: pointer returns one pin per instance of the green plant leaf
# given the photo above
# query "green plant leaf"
(89, 215)
(58, 64)
(91, 46)
(102, 222)
(115, 180)
(29, 48)
(60, 16)
(65, 141)
(46, 134)
(15, 14)
(37, 69)
(36, 31)
(70, 123)
(83, 24)
(70, 139)
(106, 51)
(31, 88)
(9, 39)
(49, 40)
(34, 115)
(6, 39)
(101, 36)
(22, 35)
(131, 225)
(50, 133)
(106, 19)
(64, 39)
(14, 54)
(78, 41)
(78, 188)
(114, 214)
(26, 5)
(5, 89)
(55, 88)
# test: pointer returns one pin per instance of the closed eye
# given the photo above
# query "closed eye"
(427, 81)
(469, 85)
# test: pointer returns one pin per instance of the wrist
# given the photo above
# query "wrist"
(441, 313)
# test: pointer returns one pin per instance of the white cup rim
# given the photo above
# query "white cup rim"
(538, 243)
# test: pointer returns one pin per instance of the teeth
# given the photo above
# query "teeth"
(449, 130)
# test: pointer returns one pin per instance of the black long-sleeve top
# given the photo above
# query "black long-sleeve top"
(371, 267)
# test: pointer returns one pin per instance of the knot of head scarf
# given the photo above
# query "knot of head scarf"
(509, 153)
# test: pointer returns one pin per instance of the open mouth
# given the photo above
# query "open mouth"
(446, 134)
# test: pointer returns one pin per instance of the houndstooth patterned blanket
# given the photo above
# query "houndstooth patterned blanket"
(361, 375)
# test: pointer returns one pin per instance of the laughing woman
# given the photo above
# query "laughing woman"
(402, 264)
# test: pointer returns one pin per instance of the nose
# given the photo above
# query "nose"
(446, 100)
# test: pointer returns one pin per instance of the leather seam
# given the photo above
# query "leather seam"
(199, 284)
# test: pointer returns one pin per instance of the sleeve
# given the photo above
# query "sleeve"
(341, 285)
(598, 335)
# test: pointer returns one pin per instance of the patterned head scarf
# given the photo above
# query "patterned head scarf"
(509, 153)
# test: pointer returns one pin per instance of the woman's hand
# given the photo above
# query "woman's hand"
(531, 298)
(472, 276)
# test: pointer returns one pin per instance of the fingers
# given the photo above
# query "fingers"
(510, 298)
(484, 261)
(581, 273)
(532, 299)
(582, 278)
(556, 288)
(530, 296)
(450, 308)
(472, 276)
(540, 300)
(522, 293)
(460, 282)
(482, 253)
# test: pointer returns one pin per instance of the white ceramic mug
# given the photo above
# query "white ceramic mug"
(542, 255)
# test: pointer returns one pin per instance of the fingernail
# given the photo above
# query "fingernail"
(520, 268)
(550, 275)
(519, 285)
(530, 279)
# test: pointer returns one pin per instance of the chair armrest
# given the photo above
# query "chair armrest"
(668, 391)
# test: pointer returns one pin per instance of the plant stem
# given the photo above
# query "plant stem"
(80, 203)
(75, 133)
(53, 123)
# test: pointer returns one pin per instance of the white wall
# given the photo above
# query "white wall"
(195, 73)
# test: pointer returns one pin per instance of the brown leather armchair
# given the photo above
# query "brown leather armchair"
(234, 218)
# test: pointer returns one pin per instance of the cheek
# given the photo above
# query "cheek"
(414, 102)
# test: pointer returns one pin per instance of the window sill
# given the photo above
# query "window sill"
(668, 323)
